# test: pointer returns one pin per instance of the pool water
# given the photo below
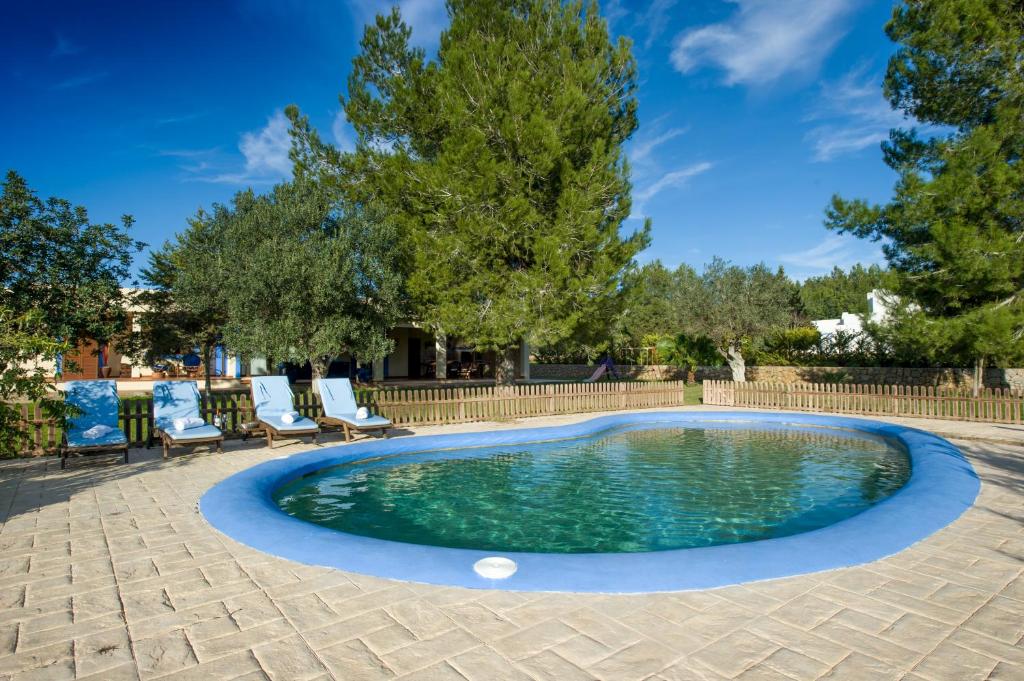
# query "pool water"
(631, 490)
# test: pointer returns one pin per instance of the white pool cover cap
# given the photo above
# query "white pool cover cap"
(495, 567)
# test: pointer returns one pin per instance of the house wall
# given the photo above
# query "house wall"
(398, 360)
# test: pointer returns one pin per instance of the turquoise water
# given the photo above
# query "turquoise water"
(623, 491)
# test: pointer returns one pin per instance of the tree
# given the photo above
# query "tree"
(954, 229)
(312, 277)
(55, 262)
(60, 283)
(25, 351)
(186, 302)
(648, 305)
(734, 305)
(830, 295)
(502, 162)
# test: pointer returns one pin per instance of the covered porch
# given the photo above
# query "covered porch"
(418, 354)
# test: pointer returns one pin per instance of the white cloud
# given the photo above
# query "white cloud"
(765, 40)
(675, 178)
(266, 151)
(266, 157)
(835, 250)
(339, 129)
(852, 115)
(641, 150)
(656, 20)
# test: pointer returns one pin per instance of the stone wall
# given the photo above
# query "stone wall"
(579, 372)
(994, 378)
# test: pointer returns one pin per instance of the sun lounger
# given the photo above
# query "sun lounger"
(179, 400)
(273, 398)
(99, 409)
(340, 409)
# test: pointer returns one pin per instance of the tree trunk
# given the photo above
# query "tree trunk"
(505, 371)
(207, 369)
(320, 365)
(736, 363)
(979, 375)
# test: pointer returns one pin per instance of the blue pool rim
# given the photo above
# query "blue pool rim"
(941, 487)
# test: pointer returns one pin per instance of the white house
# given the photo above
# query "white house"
(879, 305)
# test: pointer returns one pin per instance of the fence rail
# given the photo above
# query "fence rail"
(403, 406)
(992, 405)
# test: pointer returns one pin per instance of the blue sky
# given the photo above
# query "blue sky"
(752, 112)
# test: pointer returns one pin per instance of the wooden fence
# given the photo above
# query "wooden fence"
(991, 405)
(404, 406)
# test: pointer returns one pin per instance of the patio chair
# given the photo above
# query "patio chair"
(340, 409)
(179, 400)
(190, 364)
(273, 398)
(95, 429)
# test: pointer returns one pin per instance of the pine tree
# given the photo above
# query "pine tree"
(502, 161)
(954, 230)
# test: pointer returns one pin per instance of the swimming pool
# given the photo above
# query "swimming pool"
(627, 503)
(625, 490)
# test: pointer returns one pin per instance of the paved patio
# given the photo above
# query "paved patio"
(109, 572)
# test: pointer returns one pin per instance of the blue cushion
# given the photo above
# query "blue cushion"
(206, 432)
(113, 438)
(372, 422)
(99, 405)
(271, 396)
(174, 400)
(302, 424)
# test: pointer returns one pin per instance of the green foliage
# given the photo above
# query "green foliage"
(736, 306)
(54, 261)
(187, 299)
(953, 229)
(25, 347)
(688, 352)
(789, 346)
(830, 295)
(650, 306)
(311, 277)
(60, 283)
(502, 163)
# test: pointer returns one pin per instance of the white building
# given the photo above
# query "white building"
(879, 305)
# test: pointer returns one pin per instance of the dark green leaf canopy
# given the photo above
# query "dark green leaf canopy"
(502, 163)
(953, 232)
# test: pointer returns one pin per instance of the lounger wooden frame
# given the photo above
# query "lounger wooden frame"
(348, 427)
(66, 450)
(167, 441)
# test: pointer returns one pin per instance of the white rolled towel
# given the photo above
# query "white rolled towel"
(96, 431)
(188, 422)
(362, 413)
(290, 417)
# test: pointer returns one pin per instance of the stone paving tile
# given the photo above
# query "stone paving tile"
(353, 661)
(635, 662)
(426, 652)
(735, 652)
(289, 658)
(484, 664)
(953, 662)
(549, 666)
(108, 572)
